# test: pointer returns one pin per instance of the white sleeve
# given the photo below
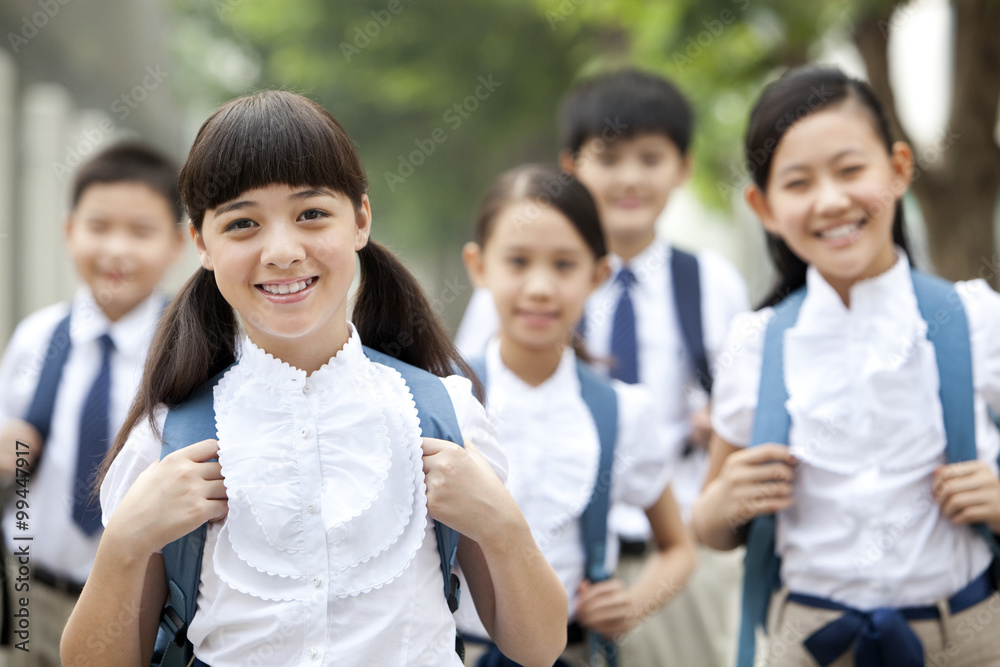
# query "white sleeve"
(737, 378)
(141, 450)
(643, 464)
(474, 423)
(479, 323)
(982, 308)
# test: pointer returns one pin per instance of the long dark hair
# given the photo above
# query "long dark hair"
(797, 94)
(545, 185)
(252, 142)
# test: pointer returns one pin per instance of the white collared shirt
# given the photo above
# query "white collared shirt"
(58, 544)
(327, 555)
(553, 450)
(663, 362)
(867, 428)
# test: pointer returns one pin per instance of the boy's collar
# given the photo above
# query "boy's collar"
(130, 332)
(652, 257)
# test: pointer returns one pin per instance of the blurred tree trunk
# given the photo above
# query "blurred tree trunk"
(957, 180)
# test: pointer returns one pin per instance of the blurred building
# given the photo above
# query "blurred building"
(74, 77)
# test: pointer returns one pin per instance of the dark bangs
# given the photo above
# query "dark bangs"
(267, 138)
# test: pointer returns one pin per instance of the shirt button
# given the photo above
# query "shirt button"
(312, 653)
(307, 388)
(304, 432)
(316, 582)
(311, 508)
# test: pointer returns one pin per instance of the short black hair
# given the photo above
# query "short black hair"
(626, 102)
(131, 162)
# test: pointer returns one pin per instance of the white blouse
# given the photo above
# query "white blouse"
(327, 555)
(868, 430)
(553, 450)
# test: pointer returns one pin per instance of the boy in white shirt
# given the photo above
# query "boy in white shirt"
(626, 137)
(69, 374)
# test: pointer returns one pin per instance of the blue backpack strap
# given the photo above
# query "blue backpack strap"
(685, 278)
(602, 401)
(771, 424)
(43, 402)
(190, 422)
(437, 420)
(948, 329)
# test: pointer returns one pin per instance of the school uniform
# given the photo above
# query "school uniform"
(867, 428)
(327, 555)
(698, 627)
(552, 448)
(61, 553)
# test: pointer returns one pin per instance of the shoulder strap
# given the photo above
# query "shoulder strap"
(601, 400)
(187, 423)
(437, 420)
(478, 366)
(771, 424)
(948, 329)
(685, 277)
(43, 402)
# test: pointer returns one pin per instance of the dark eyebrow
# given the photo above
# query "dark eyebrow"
(312, 192)
(232, 206)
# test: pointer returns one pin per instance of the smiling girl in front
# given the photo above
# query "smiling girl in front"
(540, 251)
(874, 449)
(321, 548)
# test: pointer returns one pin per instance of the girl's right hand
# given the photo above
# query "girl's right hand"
(171, 498)
(750, 482)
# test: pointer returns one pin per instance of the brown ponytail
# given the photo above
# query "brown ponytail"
(196, 339)
(392, 315)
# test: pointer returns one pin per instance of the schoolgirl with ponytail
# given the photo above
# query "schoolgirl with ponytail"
(320, 547)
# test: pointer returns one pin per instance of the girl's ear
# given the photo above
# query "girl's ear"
(757, 201)
(199, 245)
(472, 255)
(363, 218)
(902, 166)
(602, 269)
(566, 162)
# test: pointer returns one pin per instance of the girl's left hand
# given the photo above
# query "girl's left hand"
(605, 608)
(463, 491)
(968, 492)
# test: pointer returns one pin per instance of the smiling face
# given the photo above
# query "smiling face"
(540, 271)
(123, 237)
(631, 179)
(284, 259)
(832, 193)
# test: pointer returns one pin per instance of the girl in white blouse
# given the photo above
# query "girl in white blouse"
(873, 526)
(320, 547)
(540, 251)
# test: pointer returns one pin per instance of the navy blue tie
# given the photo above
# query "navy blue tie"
(95, 434)
(624, 347)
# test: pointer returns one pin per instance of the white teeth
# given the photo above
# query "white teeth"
(840, 231)
(287, 288)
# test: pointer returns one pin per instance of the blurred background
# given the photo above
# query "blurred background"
(487, 76)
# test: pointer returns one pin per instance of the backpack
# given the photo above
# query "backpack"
(602, 401)
(685, 278)
(194, 420)
(948, 330)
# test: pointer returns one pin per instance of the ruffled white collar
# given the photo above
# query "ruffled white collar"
(324, 479)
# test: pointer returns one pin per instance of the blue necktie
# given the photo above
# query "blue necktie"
(95, 434)
(624, 347)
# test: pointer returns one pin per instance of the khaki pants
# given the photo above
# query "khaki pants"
(698, 627)
(48, 611)
(967, 639)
